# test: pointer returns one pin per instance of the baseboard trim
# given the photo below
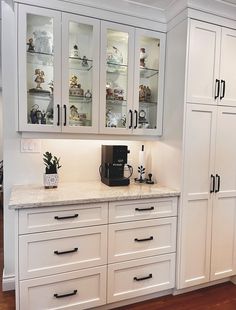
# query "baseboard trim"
(8, 282)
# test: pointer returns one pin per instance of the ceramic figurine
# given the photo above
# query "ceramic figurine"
(51, 86)
(143, 56)
(141, 93)
(75, 51)
(31, 45)
(88, 94)
(74, 81)
(39, 78)
(148, 94)
(84, 61)
(74, 115)
(118, 93)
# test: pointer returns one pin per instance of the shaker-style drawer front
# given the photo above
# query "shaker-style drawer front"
(53, 218)
(71, 291)
(61, 251)
(141, 239)
(140, 209)
(139, 277)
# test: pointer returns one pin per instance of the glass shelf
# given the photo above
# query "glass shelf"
(40, 53)
(38, 58)
(148, 72)
(77, 64)
(112, 102)
(80, 99)
(147, 103)
(113, 67)
(40, 95)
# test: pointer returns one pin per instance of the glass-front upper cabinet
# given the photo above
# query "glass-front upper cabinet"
(80, 74)
(39, 44)
(117, 63)
(149, 82)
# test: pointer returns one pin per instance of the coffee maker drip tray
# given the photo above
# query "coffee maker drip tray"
(115, 182)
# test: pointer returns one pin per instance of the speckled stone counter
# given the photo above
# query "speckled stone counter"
(33, 196)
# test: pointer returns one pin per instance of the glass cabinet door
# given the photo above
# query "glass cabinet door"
(39, 69)
(80, 73)
(116, 78)
(149, 82)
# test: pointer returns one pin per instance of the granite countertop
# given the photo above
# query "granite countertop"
(30, 196)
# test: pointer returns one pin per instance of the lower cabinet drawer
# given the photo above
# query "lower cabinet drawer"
(140, 277)
(141, 239)
(49, 253)
(74, 290)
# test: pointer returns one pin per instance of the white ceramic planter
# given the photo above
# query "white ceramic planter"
(50, 180)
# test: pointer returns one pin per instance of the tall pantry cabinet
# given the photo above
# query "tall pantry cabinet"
(205, 94)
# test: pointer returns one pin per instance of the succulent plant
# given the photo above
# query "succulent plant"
(51, 162)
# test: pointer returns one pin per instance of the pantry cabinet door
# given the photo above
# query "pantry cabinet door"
(80, 73)
(228, 67)
(148, 82)
(223, 258)
(116, 78)
(203, 63)
(39, 59)
(196, 203)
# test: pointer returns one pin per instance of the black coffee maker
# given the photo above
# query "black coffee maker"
(114, 160)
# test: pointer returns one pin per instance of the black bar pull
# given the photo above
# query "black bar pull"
(65, 217)
(64, 106)
(66, 252)
(212, 189)
(66, 295)
(136, 119)
(223, 91)
(144, 209)
(145, 239)
(131, 119)
(58, 115)
(144, 278)
(218, 183)
(217, 89)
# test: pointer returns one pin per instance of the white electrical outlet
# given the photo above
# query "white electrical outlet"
(30, 146)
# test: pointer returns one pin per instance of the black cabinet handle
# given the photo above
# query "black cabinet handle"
(64, 106)
(65, 217)
(66, 252)
(66, 295)
(144, 209)
(144, 278)
(212, 184)
(131, 119)
(217, 88)
(223, 91)
(218, 183)
(58, 115)
(136, 119)
(142, 240)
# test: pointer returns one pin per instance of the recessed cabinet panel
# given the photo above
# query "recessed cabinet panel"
(39, 69)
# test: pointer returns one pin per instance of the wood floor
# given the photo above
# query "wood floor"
(219, 297)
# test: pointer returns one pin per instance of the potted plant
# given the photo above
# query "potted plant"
(52, 165)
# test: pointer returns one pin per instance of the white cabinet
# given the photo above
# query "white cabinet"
(58, 89)
(209, 195)
(132, 77)
(77, 78)
(63, 253)
(211, 64)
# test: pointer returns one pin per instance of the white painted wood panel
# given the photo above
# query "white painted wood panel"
(53, 218)
(40, 254)
(141, 209)
(89, 284)
(228, 66)
(141, 239)
(203, 62)
(224, 206)
(123, 282)
(197, 200)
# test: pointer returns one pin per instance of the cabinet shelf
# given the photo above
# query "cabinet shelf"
(147, 103)
(80, 99)
(148, 72)
(113, 102)
(113, 67)
(40, 95)
(76, 63)
(39, 58)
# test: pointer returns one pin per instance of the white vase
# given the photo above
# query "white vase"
(50, 180)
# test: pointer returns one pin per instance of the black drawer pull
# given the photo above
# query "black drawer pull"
(145, 239)
(212, 189)
(66, 217)
(66, 252)
(144, 278)
(218, 183)
(144, 209)
(58, 115)
(66, 295)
